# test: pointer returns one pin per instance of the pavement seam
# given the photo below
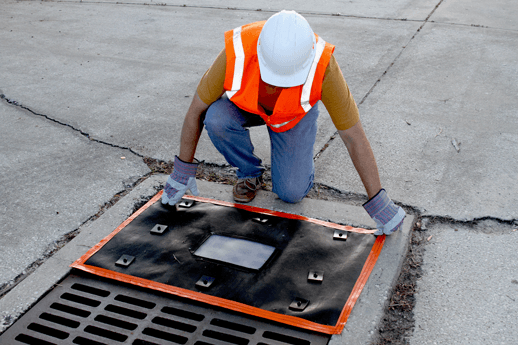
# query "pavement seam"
(333, 137)
(332, 14)
(472, 26)
(53, 247)
(400, 53)
(56, 245)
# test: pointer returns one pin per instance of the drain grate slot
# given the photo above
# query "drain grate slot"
(174, 324)
(233, 326)
(137, 316)
(27, 339)
(60, 320)
(126, 312)
(165, 335)
(225, 337)
(104, 333)
(116, 322)
(52, 332)
(70, 310)
(135, 301)
(84, 341)
(80, 299)
(91, 290)
(183, 313)
(285, 338)
(143, 342)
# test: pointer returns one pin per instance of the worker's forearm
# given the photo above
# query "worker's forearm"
(191, 130)
(362, 157)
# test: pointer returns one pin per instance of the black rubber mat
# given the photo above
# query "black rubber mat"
(310, 275)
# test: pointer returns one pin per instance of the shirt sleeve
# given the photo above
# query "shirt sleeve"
(337, 97)
(210, 87)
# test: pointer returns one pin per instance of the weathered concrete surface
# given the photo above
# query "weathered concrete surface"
(129, 65)
(497, 14)
(34, 286)
(124, 72)
(450, 83)
(469, 290)
(398, 9)
(53, 179)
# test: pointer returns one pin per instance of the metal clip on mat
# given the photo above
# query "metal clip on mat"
(159, 229)
(125, 260)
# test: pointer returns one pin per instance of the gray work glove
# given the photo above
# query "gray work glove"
(387, 215)
(182, 179)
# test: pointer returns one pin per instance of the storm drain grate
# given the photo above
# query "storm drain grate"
(84, 309)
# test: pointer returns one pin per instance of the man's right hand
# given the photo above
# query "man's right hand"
(182, 179)
(387, 215)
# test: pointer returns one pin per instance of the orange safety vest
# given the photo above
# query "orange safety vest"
(243, 76)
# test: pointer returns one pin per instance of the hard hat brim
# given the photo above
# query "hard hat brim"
(281, 80)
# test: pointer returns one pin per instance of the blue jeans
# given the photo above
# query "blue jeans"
(291, 151)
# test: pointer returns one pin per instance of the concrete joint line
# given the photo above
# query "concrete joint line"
(144, 3)
(400, 53)
(384, 72)
(472, 26)
(326, 145)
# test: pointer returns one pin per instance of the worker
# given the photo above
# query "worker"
(273, 73)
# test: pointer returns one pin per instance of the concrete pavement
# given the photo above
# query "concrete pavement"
(108, 83)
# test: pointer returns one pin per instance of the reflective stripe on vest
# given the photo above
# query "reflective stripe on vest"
(306, 89)
(240, 63)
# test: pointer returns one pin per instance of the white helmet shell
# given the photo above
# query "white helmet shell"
(286, 49)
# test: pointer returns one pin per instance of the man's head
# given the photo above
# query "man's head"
(286, 49)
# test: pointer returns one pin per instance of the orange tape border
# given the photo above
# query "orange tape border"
(232, 305)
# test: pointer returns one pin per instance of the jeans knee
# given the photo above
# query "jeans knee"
(213, 123)
(292, 194)
(220, 119)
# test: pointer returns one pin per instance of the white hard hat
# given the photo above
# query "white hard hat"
(286, 49)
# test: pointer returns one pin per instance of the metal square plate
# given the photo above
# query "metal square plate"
(205, 282)
(125, 260)
(316, 276)
(340, 235)
(299, 304)
(159, 229)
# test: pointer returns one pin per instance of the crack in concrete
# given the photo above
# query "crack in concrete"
(53, 247)
(223, 8)
(326, 145)
(320, 191)
(56, 245)
(87, 135)
(472, 25)
(400, 53)
(159, 166)
(430, 220)
(323, 191)
(226, 8)
(333, 137)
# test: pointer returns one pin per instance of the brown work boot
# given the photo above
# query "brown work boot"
(245, 190)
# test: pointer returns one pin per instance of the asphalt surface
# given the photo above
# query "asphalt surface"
(90, 88)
